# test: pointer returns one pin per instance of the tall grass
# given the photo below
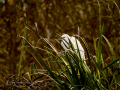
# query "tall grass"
(21, 55)
(68, 71)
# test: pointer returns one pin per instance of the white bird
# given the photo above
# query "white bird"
(65, 44)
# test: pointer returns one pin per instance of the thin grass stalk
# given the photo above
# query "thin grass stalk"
(68, 71)
(84, 71)
(99, 45)
(31, 73)
(102, 74)
(34, 50)
(74, 74)
(53, 58)
(111, 49)
(114, 65)
(115, 61)
(55, 64)
(72, 62)
(59, 82)
(115, 82)
(88, 53)
(21, 55)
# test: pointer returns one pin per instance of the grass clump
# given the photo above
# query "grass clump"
(68, 71)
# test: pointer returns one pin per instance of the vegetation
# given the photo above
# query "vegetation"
(54, 69)
(66, 70)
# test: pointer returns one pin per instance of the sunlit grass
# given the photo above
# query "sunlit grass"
(21, 55)
(68, 71)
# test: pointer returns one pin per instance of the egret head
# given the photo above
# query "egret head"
(65, 37)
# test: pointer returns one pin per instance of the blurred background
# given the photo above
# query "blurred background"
(53, 18)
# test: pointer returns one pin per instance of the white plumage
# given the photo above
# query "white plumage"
(65, 44)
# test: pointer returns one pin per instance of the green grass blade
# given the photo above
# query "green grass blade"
(74, 74)
(97, 66)
(113, 57)
(111, 49)
(58, 81)
(21, 55)
(99, 48)
(49, 70)
(43, 62)
(110, 64)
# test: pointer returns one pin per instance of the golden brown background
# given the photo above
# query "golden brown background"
(53, 17)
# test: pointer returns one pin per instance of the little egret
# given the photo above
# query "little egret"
(65, 44)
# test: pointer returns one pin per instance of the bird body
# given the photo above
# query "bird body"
(65, 44)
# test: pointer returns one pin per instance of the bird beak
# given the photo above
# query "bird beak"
(58, 39)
